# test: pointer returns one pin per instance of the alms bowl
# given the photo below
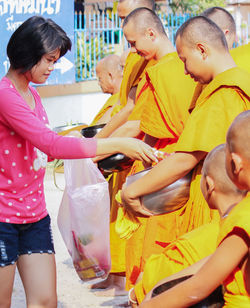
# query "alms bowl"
(91, 131)
(115, 163)
(167, 199)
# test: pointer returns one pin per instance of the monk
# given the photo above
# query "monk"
(226, 22)
(223, 20)
(133, 69)
(226, 95)
(230, 262)
(163, 120)
(109, 75)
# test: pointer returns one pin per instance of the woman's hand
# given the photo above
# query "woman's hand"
(137, 150)
(131, 147)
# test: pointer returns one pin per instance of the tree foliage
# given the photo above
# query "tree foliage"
(193, 6)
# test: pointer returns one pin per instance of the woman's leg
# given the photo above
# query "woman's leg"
(38, 274)
(7, 274)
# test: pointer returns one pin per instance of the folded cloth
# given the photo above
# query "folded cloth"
(126, 222)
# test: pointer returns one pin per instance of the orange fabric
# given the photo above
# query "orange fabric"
(171, 91)
(235, 292)
(117, 245)
(163, 104)
(185, 251)
(133, 69)
(133, 72)
(226, 96)
(113, 99)
(241, 56)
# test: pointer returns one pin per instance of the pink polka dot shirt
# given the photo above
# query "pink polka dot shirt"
(26, 143)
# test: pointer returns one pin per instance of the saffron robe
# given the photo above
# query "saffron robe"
(235, 291)
(241, 56)
(185, 251)
(133, 72)
(164, 104)
(112, 100)
(215, 109)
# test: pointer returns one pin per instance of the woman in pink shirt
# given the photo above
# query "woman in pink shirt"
(26, 144)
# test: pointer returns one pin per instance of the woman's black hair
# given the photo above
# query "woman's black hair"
(33, 39)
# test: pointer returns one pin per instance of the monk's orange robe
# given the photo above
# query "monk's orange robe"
(185, 251)
(112, 100)
(165, 98)
(215, 109)
(236, 294)
(241, 56)
(133, 72)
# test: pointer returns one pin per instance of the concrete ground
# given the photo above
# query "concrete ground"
(72, 292)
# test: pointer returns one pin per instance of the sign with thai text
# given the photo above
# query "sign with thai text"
(14, 12)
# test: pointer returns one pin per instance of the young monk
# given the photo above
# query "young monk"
(163, 125)
(226, 95)
(148, 38)
(226, 22)
(109, 75)
(223, 20)
(133, 69)
(230, 263)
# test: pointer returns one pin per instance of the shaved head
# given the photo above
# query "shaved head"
(215, 167)
(109, 74)
(109, 63)
(144, 18)
(224, 20)
(150, 4)
(238, 135)
(125, 7)
(201, 29)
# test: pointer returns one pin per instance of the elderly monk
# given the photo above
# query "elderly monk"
(229, 265)
(133, 70)
(109, 75)
(202, 46)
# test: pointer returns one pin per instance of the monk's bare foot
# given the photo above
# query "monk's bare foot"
(104, 284)
(112, 292)
(114, 280)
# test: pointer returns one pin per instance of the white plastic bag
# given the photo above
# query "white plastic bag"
(83, 218)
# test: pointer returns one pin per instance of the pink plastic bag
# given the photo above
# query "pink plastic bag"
(83, 218)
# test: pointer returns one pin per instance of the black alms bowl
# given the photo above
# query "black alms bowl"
(91, 131)
(214, 300)
(115, 163)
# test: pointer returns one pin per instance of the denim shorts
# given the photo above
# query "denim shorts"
(20, 239)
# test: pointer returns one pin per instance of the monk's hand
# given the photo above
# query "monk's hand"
(138, 150)
(133, 203)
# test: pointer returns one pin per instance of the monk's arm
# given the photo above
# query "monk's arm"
(191, 270)
(163, 174)
(129, 129)
(221, 264)
(120, 118)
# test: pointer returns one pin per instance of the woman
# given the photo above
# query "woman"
(26, 144)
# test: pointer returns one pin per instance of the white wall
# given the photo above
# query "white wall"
(78, 108)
